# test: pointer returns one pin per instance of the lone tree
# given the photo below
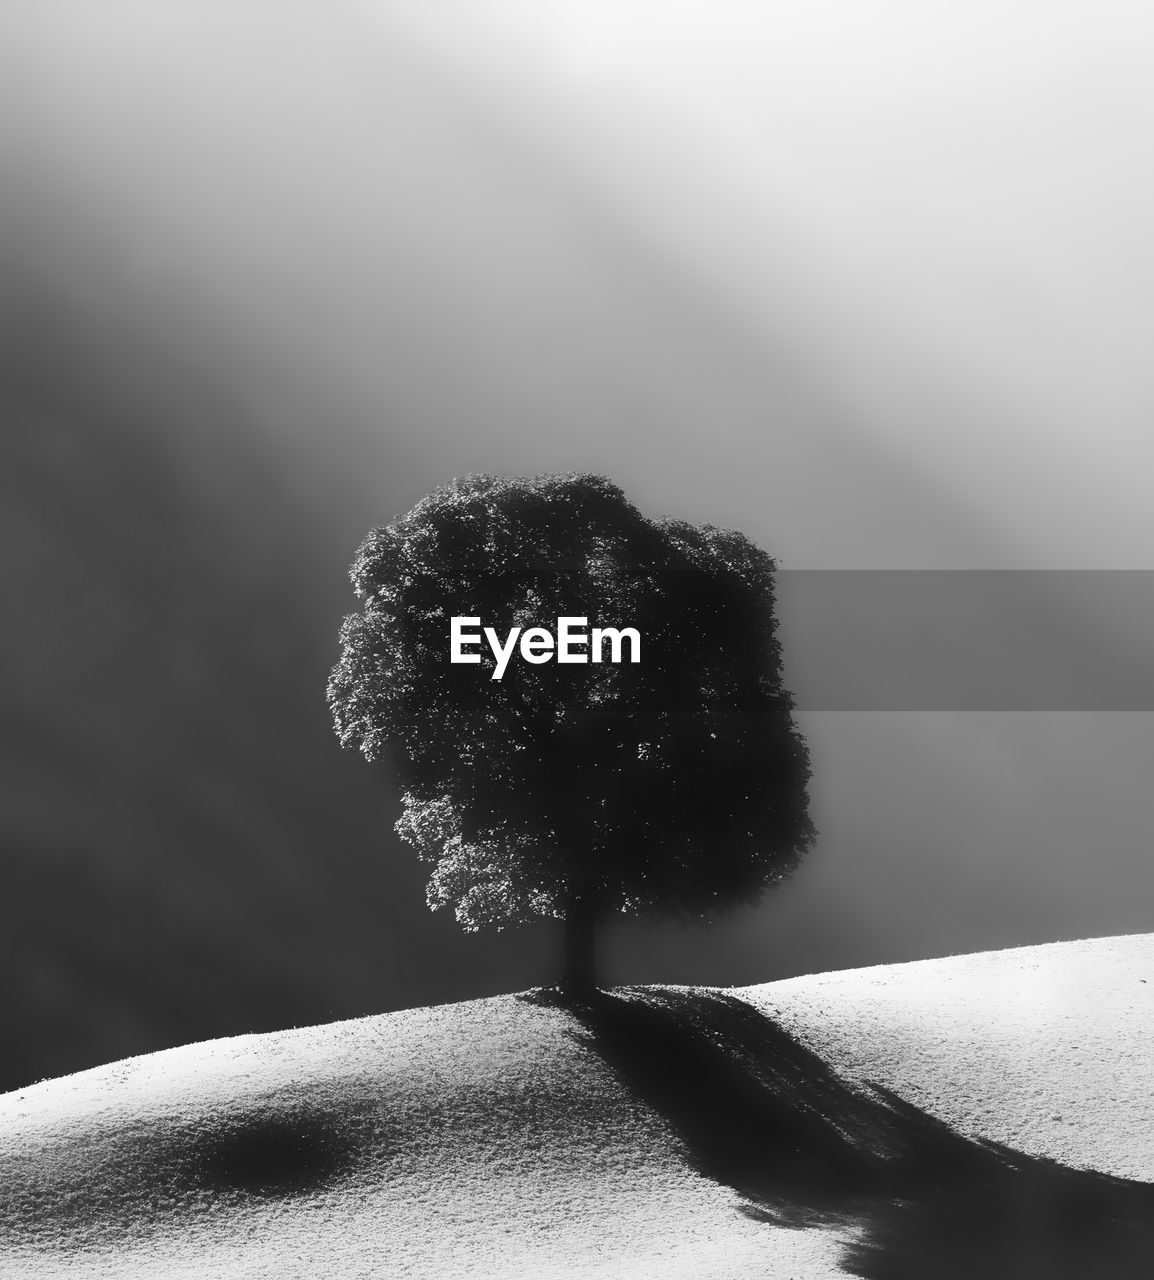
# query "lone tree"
(676, 783)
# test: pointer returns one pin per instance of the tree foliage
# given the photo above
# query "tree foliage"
(675, 784)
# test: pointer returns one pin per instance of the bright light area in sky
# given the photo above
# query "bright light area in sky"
(927, 223)
(955, 199)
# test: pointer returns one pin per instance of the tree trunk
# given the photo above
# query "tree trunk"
(577, 974)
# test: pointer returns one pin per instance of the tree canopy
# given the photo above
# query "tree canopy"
(675, 784)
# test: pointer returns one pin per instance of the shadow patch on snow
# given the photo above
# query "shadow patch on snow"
(102, 1184)
(759, 1112)
(958, 1209)
(269, 1156)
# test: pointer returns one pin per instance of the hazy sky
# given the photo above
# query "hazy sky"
(871, 282)
(737, 233)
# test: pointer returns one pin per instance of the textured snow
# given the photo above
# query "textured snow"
(1049, 1049)
(488, 1139)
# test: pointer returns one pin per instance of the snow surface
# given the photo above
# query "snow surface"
(1048, 1049)
(490, 1139)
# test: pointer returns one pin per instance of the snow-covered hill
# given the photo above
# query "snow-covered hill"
(657, 1132)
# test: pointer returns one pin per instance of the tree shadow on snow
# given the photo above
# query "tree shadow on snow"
(760, 1113)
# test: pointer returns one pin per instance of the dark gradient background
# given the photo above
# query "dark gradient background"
(873, 283)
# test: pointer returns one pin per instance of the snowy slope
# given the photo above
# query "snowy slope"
(469, 1139)
(1048, 1049)
(666, 1132)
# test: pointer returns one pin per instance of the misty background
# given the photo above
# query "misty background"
(872, 283)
